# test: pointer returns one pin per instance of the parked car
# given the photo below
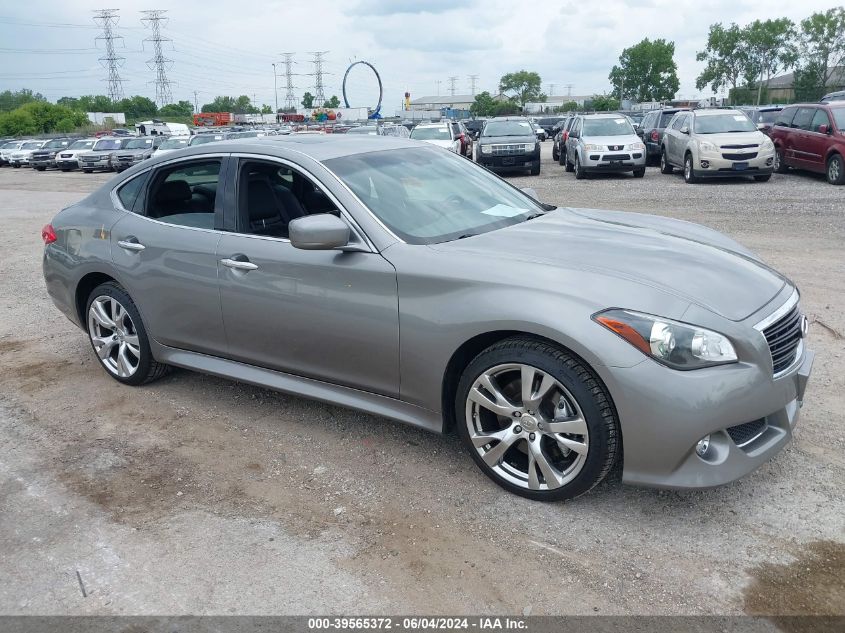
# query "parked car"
(556, 342)
(652, 128)
(136, 150)
(369, 130)
(560, 138)
(171, 144)
(763, 116)
(548, 124)
(509, 144)
(604, 143)
(539, 131)
(440, 134)
(812, 137)
(68, 158)
(100, 156)
(115, 132)
(399, 131)
(718, 142)
(839, 95)
(45, 157)
(474, 126)
(20, 157)
(201, 139)
(7, 150)
(459, 129)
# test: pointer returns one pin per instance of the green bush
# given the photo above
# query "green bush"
(17, 123)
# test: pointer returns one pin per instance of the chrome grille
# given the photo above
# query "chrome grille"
(743, 434)
(784, 338)
(509, 150)
(739, 156)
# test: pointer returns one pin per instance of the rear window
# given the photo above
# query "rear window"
(82, 145)
(839, 117)
(665, 117)
(129, 192)
(431, 134)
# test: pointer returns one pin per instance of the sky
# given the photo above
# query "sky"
(224, 47)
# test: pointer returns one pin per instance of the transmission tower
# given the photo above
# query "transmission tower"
(437, 83)
(473, 83)
(569, 90)
(452, 82)
(108, 18)
(552, 89)
(159, 62)
(319, 89)
(290, 99)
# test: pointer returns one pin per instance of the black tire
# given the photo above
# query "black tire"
(836, 170)
(40, 168)
(780, 166)
(763, 178)
(639, 173)
(665, 167)
(591, 396)
(535, 168)
(65, 169)
(580, 174)
(689, 173)
(555, 153)
(148, 369)
(16, 166)
(88, 171)
(566, 165)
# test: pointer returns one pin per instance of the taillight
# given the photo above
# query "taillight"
(654, 136)
(48, 234)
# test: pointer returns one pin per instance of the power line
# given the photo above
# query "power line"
(473, 83)
(452, 81)
(319, 88)
(290, 98)
(108, 18)
(159, 62)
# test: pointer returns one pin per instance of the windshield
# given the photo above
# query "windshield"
(767, 116)
(55, 144)
(31, 145)
(174, 143)
(82, 145)
(425, 195)
(206, 138)
(369, 129)
(508, 128)
(431, 134)
(839, 117)
(723, 124)
(607, 127)
(11, 145)
(140, 143)
(107, 143)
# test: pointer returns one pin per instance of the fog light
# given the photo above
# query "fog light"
(705, 164)
(769, 162)
(702, 446)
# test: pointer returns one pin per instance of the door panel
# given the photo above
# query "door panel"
(816, 143)
(328, 315)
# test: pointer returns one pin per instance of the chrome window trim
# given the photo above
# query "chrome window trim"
(782, 311)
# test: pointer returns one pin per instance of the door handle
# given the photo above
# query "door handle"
(131, 243)
(238, 264)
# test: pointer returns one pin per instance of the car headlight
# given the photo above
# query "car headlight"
(707, 147)
(634, 147)
(593, 148)
(486, 149)
(677, 345)
(531, 147)
(767, 145)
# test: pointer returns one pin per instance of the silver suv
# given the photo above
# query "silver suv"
(720, 143)
(604, 142)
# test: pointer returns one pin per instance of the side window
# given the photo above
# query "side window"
(803, 118)
(784, 118)
(677, 124)
(129, 193)
(270, 195)
(819, 118)
(185, 194)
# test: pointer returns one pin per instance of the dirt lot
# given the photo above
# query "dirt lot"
(200, 495)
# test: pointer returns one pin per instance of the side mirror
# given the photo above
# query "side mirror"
(823, 129)
(685, 129)
(320, 232)
(531, 192)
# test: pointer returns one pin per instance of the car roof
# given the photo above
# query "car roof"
(432, 124)
(715, 111)
(603, 115)
(509, 118)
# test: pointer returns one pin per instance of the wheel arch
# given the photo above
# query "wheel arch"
(84, 287)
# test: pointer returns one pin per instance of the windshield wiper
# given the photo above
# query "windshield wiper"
(466, 235)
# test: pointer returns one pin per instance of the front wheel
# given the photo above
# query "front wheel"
(579, 170)
(88, 171)
(119, 338)
(555, 154)
(689, 174)
(535, 168)
(780, 166)
(40, 168)
(836, 170)
(536, 420)
(665, 166)
(763, 178)
(639, 173)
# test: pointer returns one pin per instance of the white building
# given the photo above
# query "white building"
(100, 118)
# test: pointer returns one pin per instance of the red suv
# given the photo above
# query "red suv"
(811, 136)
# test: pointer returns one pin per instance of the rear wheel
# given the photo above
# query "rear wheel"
(665, 167)
(566, 165)
(536, 420)
(780, 166)
(118, 336)
(88, 171)
(535, 168)
(555, 153)
(763, 178)
(836, 170)
(40, 168)
(689, 174)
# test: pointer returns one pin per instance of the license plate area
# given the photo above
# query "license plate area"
(508, 161)
(740, 166)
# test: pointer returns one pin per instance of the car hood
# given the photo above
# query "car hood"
(625, 139)
(529, 139)
(446, 144)
(734, 138)
(689, 261)
(132, 152)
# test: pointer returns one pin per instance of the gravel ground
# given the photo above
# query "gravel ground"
(200, 495)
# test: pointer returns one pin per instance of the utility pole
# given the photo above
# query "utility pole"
(452, 81)
(290, 98)
(319, 89)
(473, 83)
(159, 62)
(569, 89)
(108, 18)
(275, 89)
(196, 103)
(437, 83)
(552, 89)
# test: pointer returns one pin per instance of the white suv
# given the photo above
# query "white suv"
(440, 134)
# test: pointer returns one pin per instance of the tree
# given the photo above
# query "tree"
(307, 100)
(569, 106)
(265, 109)
(771, 48)
(95, 103)
(522, 86)
(334, 102)
(182, 110)
(243, 105)
(12, 100)
(219, 104)
(646, 72)
(17, 123)
(726, 56)
(604, 103)
(483, 105)
(821, 47)
(136, 108)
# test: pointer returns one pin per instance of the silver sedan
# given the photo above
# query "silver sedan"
(397, 278)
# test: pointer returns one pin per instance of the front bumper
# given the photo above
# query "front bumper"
(613, 161)
(42, 162)
(519, 162)
(716, 166)
(102, 163)
(659, 439)
(67, 163)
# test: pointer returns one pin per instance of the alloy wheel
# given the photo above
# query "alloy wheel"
(833, 171)
(777, 161)
(526, 426)
(114, 336)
